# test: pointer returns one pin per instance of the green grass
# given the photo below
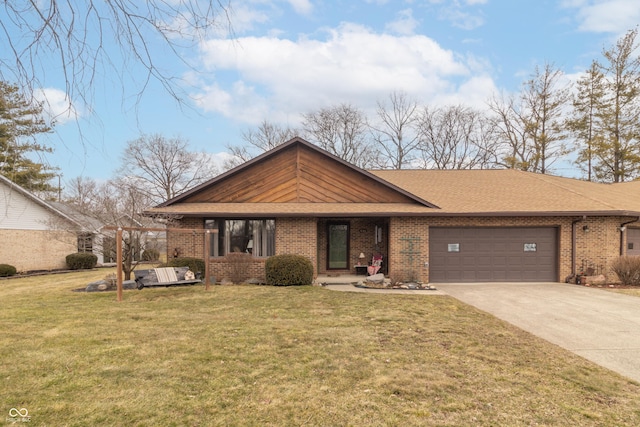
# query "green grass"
(252, 355)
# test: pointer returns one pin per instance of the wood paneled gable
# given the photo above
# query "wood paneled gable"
(297, 172)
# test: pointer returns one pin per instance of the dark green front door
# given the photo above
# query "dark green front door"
(338, 246)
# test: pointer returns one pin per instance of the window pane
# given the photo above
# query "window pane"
(217, 242)
(256, 237)
(85, 242)
(263, 240)
(338, 246)
(270, 225)
(239, 232)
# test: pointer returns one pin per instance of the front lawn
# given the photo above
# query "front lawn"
(256, 355)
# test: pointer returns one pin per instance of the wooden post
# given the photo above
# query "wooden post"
(119, 262)
(207, 249)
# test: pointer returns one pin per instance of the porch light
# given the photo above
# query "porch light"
(585, 228)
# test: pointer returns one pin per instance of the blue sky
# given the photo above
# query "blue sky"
(295, 56)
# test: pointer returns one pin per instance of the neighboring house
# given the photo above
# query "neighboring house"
(429, 225)
(28, 240)
(88, 231)
(98, 238)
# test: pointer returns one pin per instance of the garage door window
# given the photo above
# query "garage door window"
(453, 247)
(530, 247)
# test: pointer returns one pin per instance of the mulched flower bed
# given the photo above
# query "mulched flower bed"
(402, 286)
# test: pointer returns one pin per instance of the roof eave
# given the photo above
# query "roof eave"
(391, 213)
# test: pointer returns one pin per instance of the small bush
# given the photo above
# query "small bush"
(7, 270)
(195, 264)
(150, 255)
(239, 266)
(288, 270)
(81, 261)
(628, 270)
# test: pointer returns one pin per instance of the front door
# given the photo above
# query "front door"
(338, 246)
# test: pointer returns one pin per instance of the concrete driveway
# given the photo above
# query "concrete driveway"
(601, 326)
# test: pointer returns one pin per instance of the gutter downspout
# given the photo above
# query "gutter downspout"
(573, 243)
(622, 229)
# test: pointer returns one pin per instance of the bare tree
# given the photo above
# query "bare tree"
(342, 130)
(87, 38)
(163, 167)
(82, 192)
(264, 138)
(455, 137)
(95, 206)
(544, 98)
(531, 127)
(394, 133)
(121, 204)
(509, 129)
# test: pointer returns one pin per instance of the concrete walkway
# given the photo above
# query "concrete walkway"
(601, 326)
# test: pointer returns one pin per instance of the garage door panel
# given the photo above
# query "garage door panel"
(483, 259)
(468, 260)
(498, 261)
(481, 276)
(484, 246)
(494, 254)
(467, 276)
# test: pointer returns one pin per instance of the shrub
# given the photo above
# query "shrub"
(195, 264)
(150, 255)
(628, 270)
(287, 270)
(7, 270)
(239, 264)
(81, 261)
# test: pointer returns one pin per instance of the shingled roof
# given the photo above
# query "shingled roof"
(509, 191)
(406, 192)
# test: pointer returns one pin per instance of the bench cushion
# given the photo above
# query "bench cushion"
(166, 275)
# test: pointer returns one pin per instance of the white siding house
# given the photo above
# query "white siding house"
(28, 240)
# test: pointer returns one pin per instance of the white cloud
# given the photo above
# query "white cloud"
(56, 106)
(404, 23)
(303, 7)
(244, 18)
(461, 19)
(605, 16)
(463, 14)
(277, 79)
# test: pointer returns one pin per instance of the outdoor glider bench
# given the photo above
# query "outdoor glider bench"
(167, 276)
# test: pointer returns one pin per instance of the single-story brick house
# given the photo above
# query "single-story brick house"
(29, 242)
(429, 225)
(37, 234)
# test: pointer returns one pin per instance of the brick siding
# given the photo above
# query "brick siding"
(405, 243)
(38, 249)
